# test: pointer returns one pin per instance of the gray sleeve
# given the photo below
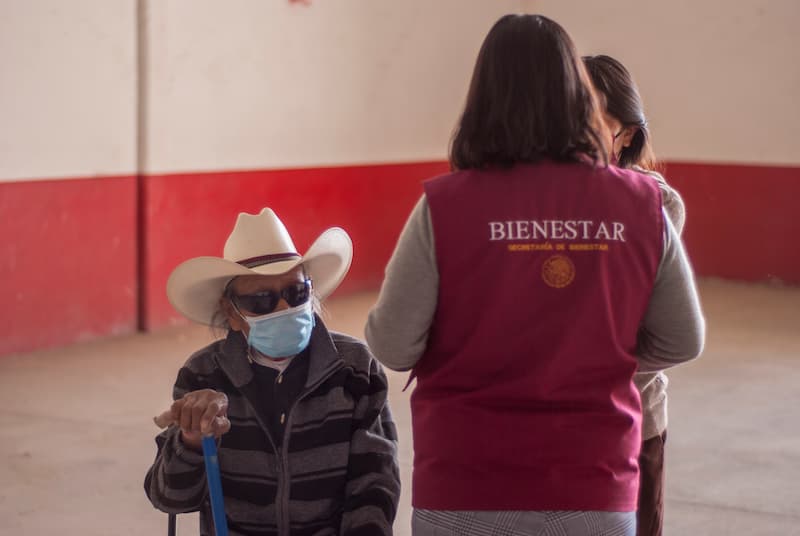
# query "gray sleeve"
(409, 292)
(673, 330)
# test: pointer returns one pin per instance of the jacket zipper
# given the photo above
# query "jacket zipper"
(282, 498)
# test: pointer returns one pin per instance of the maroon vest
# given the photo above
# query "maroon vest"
(524, 398)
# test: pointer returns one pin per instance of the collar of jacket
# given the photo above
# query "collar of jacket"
(323, 356)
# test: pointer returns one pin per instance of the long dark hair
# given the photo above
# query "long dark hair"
(623, 102)
(529, 98)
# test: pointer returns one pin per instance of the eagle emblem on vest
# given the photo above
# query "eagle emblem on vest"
(558, 271)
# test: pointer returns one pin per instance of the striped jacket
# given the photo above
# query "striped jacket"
(336, 471)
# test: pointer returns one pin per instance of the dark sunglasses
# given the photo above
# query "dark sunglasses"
(262, 303)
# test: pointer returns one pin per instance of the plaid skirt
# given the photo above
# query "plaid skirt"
(539, 523)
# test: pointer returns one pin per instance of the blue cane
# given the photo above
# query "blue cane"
(214, 485)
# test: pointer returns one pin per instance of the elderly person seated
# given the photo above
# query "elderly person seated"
(305, 437)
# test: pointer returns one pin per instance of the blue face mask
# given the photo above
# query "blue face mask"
(282, 334)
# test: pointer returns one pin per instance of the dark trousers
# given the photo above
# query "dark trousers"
(650, 516)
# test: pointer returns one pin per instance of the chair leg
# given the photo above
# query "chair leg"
(171, 522)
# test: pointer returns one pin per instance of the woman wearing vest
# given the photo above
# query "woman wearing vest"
(307, 445)
(624, 116)
(526, 289)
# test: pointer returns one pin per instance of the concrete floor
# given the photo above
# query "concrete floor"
(77, 435)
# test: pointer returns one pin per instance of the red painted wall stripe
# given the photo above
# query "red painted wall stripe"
(739, 217)
(192, 214)
(67, 261)
(68, 255)
(742, 220)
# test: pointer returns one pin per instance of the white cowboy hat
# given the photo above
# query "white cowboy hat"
(258, 244)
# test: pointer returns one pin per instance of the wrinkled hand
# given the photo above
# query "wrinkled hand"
(198, 413)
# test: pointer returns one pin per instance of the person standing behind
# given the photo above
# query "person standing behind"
(632, 148)
(516, 293)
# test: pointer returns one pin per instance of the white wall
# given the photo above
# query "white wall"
(255, 84)
(67, 88)
(268, 83)
(720, 78)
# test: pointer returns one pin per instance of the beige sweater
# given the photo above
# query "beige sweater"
(653, 385)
